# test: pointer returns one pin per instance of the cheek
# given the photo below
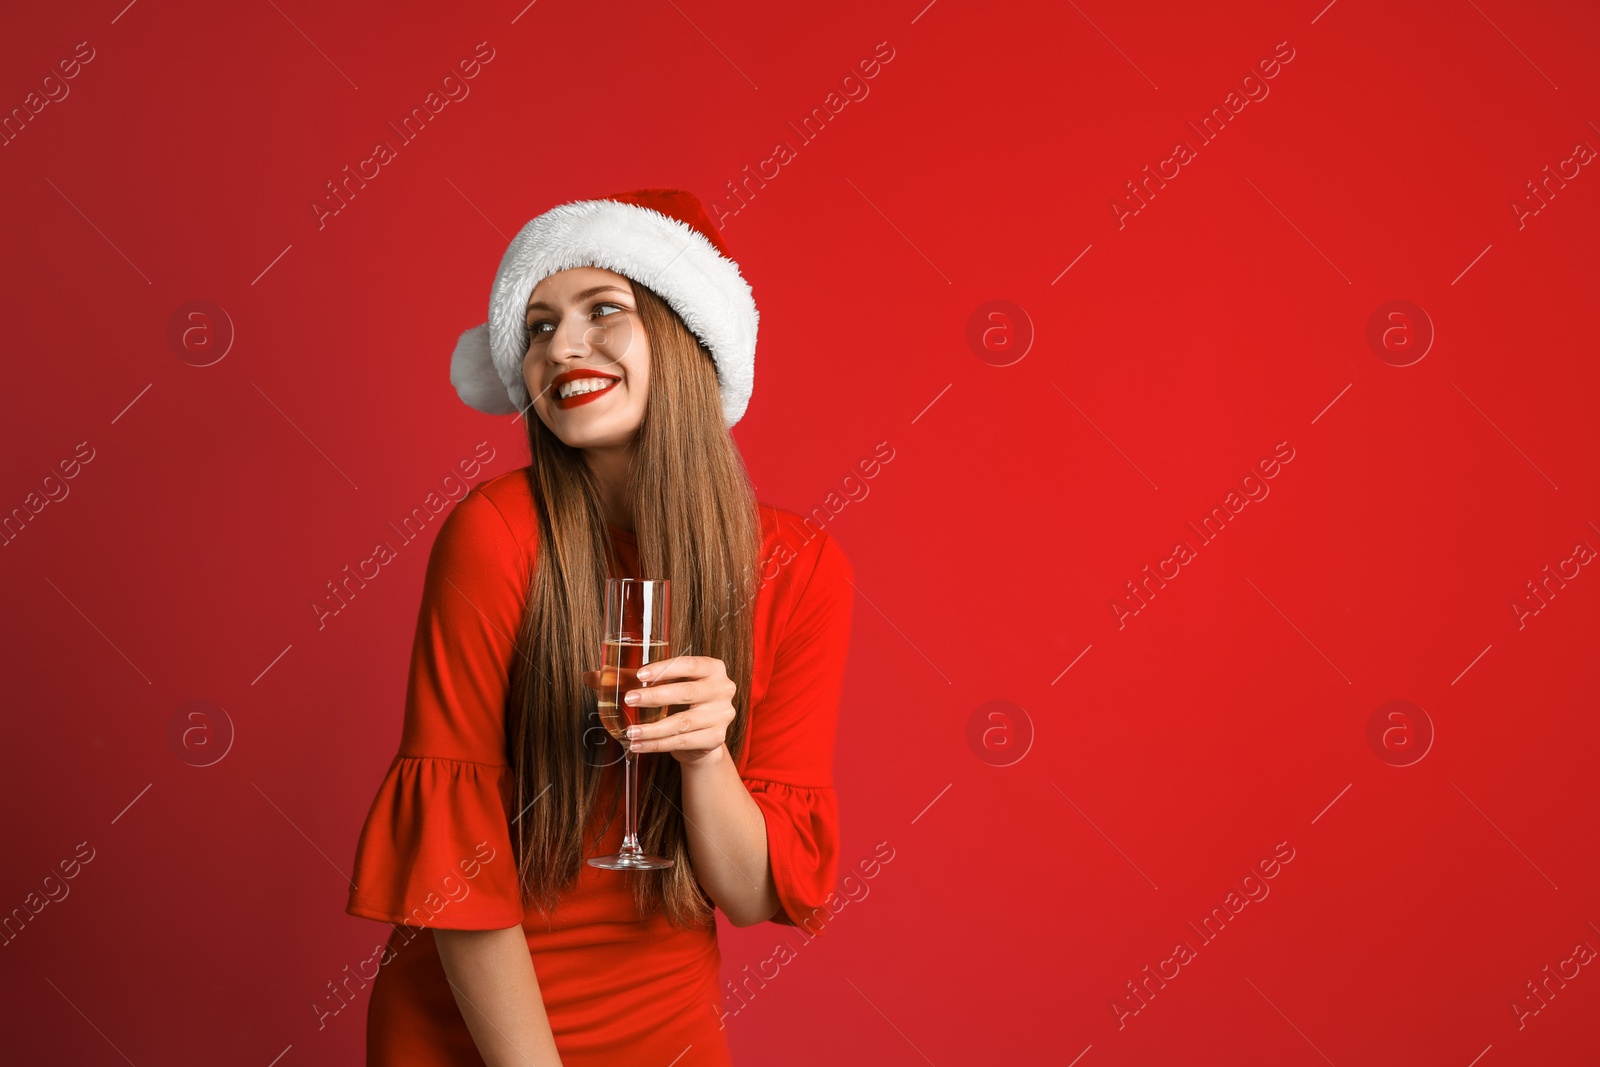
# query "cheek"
(639, 377)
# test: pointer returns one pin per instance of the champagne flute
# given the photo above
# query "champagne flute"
(635, 634)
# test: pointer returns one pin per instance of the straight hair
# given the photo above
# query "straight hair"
(696, 523)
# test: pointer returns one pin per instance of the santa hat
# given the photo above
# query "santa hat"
(660, 238)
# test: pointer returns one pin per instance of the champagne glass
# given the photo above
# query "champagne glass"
(635, 634)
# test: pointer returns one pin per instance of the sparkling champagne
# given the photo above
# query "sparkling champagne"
(619, 675)
(635, 633)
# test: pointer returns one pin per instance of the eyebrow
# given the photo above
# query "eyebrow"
(586, 294)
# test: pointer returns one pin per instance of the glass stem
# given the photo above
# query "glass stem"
(630, 780)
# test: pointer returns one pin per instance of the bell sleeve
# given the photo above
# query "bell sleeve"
(789, 764)
(436, 850)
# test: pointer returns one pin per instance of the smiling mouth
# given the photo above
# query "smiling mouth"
(582, 391)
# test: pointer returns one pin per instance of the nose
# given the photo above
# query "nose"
(577, 338)
(573, 339)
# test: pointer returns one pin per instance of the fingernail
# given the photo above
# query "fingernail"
(631, 698)
(643, 674)
(633, 733)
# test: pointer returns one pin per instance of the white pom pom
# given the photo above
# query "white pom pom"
(473, 373)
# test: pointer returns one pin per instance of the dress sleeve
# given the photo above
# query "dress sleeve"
(435, 850)
(789, 764)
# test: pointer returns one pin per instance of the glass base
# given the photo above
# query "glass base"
(630, 861)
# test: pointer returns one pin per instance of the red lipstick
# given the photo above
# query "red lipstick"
(578, 398)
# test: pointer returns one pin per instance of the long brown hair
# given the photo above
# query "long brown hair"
(697, 524)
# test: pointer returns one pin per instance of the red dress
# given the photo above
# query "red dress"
(435, 851)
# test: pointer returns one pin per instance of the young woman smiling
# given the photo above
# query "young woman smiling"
(625, 335)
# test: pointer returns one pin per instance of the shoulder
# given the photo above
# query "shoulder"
(799, 558)
(511, 495)
(493, 527)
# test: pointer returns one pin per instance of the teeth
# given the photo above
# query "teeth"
(583, 385)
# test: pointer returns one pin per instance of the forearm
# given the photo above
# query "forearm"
(491, 974)
(727, 838)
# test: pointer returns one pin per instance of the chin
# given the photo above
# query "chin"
(595, 433)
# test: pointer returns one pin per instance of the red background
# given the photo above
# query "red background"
(1228, 315)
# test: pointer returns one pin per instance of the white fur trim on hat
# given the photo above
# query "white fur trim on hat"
(670, 257)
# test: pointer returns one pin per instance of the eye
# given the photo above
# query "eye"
(537, 329)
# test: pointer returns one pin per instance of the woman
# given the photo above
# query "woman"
(625, 335)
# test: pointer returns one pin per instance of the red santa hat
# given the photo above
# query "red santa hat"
(662, 239)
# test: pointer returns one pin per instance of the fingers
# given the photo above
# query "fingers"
(654, 696)
(701, 729)
(698, 691)
(703, 740)
(677, 667)
(683, 722)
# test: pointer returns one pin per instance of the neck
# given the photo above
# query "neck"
(609, 466)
